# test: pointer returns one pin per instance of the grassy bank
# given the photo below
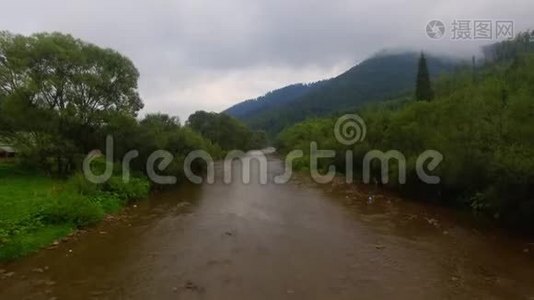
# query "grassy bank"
(36, 210)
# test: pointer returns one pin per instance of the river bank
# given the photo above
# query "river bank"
(368, 200)
(37, 211)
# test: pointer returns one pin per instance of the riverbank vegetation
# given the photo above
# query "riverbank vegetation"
(482, 121)
(60, 98)
(227, 131)
(37, 209)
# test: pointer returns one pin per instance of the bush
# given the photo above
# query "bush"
(83, 203)
(80, 184)
(136, 189)
(72, 208)
(110, 203)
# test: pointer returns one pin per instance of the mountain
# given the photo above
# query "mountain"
(275, 98)
(380, 77)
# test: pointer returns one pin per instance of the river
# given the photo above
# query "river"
(299, 240)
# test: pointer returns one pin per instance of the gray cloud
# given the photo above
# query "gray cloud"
(200, 54)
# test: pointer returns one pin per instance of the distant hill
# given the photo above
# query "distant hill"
(275, 98)
(380, 77)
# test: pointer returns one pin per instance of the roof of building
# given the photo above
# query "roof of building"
(7, 149)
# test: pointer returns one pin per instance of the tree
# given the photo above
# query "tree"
(221, 129)
(259, 139)
(423, 88)
(68, 88)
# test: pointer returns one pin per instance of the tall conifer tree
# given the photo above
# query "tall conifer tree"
(423, 88)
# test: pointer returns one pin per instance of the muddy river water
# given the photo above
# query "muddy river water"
(299, 240)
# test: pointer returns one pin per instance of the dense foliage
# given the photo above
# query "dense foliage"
(67, 88)
(484, 128)
(157, 132)
(226, 131)
(510, 49)
(60, 98)
(76, 94)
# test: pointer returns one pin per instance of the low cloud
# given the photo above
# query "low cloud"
(199, 54)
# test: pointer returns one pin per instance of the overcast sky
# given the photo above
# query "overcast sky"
(200, 54)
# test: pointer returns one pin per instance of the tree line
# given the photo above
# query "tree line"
(483, 125)
(60, 97)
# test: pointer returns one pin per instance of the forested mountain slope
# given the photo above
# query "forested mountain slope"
(275, 98)
(378, 78)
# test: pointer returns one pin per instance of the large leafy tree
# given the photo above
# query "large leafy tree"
(56, 92)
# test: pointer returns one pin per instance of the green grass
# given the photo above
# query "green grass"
(36, 210)
(22, 193)
(25, 243)
(23, 196)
